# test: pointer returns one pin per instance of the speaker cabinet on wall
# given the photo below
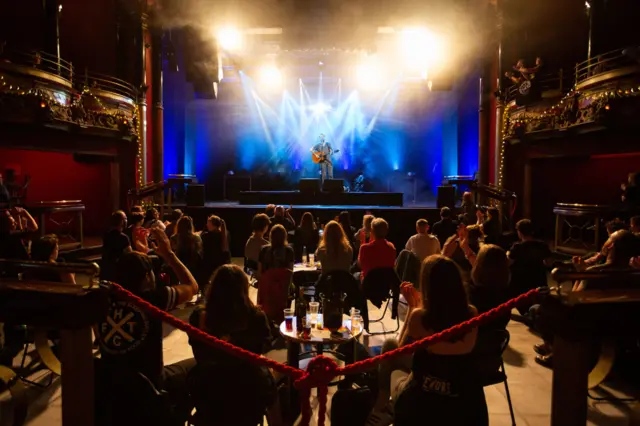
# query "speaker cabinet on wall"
(333, 185)
(195, 195)
(309, 186)
(202, 63)
(446, 196)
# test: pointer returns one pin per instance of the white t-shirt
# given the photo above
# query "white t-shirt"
(423, 245)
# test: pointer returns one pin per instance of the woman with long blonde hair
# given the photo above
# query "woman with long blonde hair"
(335, 252)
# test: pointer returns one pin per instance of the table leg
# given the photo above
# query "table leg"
(569, 386)
(77, 377)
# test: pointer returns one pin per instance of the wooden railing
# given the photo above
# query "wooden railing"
(41, 61)
(109, 84)
(609, 61)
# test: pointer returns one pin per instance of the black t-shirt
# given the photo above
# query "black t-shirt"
(528, 270)
(213, 254)
(276, 258)
(131, 339)
(114, 243)
(12, 245)
(491, 229)
(444, 229)
(485, 298)
(284, 221)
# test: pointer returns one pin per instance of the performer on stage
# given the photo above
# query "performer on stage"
(322, 152)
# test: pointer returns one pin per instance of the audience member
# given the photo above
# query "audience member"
(440, 381)
(631, 191)
(131, 340)
(187, 245)
(114, 244)
(363, 235)
(270, 210)
(423, 244)
(335, 252)
(344, 219)
(379, 253)
(489, 286)
(5, 197)
(469, 208)
(16, 227)
(215, 244)
(45, 249)
(138, 235)
(446, 227)
(463, 246)
(283, 217)
(529, 259)
(306, 235)
(152, 219)
(278, 254)
(230, 315)
(491, 227)
(176, 214)
(635, 225)
(260, 226)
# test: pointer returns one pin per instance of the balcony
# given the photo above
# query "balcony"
(40, 89)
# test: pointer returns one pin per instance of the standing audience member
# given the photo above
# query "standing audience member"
(491, 225)
(114, 244)
(215, 244)
(187, 245)
(283, 217)
(306, 235)
(152, 219)
(5, 197)
(138, 235)
(379, 253)
(423, 244)
(15, 230)
(260, 226)
(335, 252)
(489, 285)
(139, 350)
(278, 254)
(175, 217)
(463, 247)
(363, 235)
(45, 249)
(529, 258)
(469, 208)
(446, 227)
(344, 219)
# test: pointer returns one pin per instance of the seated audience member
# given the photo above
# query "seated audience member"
(335, 252)
(45, 249)
(631, 191)
(16, 226)
(175, 217)
(215, 247)
(491, 227)
(259, 225)
(529, 259)
(137, 209)
(469, 209)
(138, 235)
(187, 245)
(446, 227)
(635, 225)
(5, 197)
(140, 349)
(423, 244)
(283, 217)
(306, 235)
(114, 244)
(463, 247)
(230, 315)
(152, 219)
(278, 254)
(591, 259)
(344, 219)
(363, 235)
(489, 285)
(440, 380)
(379, 253)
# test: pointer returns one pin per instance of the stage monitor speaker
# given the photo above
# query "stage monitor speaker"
(309, 186)
(446, 196)
(195, 195)
(333, 185)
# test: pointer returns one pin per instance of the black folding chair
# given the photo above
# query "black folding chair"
(376, 282)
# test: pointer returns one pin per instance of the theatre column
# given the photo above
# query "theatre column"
(142, 95)
(157, 134)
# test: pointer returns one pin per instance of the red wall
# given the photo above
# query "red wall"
(57, 176)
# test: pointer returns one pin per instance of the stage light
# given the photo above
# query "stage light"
(368, 76)
(421, 49)
(320, 108)
(270, 76)
(229, 38)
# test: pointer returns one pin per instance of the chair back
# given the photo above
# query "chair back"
(273, 292)
(490, 346)
(408, 267)
(342, 282)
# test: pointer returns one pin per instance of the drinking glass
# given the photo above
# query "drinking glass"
(312, 259)
(356, 323)
(313, 312)
(288, 319)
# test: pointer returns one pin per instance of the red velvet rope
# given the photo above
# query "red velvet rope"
(321, 369)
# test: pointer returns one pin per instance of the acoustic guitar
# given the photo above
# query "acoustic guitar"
(320, 157)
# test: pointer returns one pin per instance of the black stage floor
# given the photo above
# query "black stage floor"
(390, 199)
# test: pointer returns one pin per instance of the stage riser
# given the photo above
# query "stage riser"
(391, 199)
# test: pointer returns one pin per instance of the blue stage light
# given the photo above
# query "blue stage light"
(320, 108)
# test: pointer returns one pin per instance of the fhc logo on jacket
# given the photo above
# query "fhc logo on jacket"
(125, 328)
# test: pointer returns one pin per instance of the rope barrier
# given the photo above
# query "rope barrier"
(321, 369)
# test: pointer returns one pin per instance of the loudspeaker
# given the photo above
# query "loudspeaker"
(446, 196)
(195, 195)
(309, 186)
(202, 62)
(333, 185)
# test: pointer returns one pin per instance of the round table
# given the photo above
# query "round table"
(303, 267)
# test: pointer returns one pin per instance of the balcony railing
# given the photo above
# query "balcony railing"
(109, 84)
(606, 62)
(40, 61)
(557, 81)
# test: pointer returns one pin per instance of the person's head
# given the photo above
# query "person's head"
(491, 268)
(334, 238)
(634, 179)
(614, 226)
(366, 222)
(134, 271)
(152, 214)
(467, 198)
(7, 222)
(635, 224)
(520, 63)
(227, 302)
(176, 215)
(270, 209)
(445, 213)
(379, 228)
(307, 221)
(321, 138)
(444, 297)
(474, 234)
(493, 213)
(137, 209)
(422, 226)
(344, 219)
(260, 223)
(45, 249)
(184, 226)
(279, 211)
(625, 246)
(119, 220)
(278, 236)
(525, 229)
(137, 219)
(214, 223)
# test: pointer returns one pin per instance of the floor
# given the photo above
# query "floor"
(529, 383)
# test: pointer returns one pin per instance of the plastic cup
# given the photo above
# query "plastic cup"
(356, 323)
(312, 259)
(288, 319)
(313, 312)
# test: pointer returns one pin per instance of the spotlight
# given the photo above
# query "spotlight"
(320, 108)
(420, 49)
(368, 76)
(229, 38)
(270, 76)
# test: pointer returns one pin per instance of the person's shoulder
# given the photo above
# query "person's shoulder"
(196, 315)
(165, 298)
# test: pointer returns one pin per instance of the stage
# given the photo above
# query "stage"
(286, 198)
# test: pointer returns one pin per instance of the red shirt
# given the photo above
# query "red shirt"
(376, 254)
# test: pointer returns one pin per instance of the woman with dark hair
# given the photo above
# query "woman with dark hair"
(278, 254)
(215, 242)
(335, 252)
(186, 244)
(138, 234)
(463, 247)
(152, 219)
(439, 385)
(306, 235)
(229, 315)
(344, 219)
(16, 227)
(45, 249)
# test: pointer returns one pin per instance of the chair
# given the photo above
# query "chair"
(273, 292)
(408, 267)
(490, 347)
(379, 285)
